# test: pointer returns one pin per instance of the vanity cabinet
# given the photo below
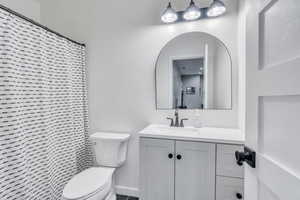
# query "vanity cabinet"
(189, 170)
(171, 169)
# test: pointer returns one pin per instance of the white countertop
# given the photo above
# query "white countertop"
(205, 134)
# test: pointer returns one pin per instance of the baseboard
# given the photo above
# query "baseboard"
(128, 191)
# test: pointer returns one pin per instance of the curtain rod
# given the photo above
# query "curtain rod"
(38, 24)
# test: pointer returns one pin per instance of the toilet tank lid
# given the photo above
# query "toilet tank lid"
(110, 136)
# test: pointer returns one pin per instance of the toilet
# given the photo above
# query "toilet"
(97, 183)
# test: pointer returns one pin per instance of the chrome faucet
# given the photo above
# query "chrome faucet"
(176, 124)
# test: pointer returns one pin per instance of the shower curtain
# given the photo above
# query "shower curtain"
(43, 111)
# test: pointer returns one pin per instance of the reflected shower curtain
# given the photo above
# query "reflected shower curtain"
(43, 111)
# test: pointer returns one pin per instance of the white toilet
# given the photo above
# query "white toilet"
(96, 183)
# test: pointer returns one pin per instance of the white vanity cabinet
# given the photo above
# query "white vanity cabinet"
(190, 163)
(171, 169)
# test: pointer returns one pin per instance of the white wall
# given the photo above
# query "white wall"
(222, 78)
(123, 40)
(28, 8)
(209, 81)
(243, 9)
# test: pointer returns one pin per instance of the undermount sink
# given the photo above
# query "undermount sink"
(174, 130)
(165, 128)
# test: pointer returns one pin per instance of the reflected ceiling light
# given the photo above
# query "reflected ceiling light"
(192, 12)
(217, 8)
(169, 15)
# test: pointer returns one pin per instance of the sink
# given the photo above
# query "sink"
(205, 134)
(164, 129)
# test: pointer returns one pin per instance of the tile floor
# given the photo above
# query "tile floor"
(121, 197)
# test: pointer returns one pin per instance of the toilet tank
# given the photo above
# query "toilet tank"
(110, 148)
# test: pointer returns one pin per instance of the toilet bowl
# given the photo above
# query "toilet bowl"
(96, 183)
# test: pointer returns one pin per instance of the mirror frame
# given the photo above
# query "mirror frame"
(231, 72)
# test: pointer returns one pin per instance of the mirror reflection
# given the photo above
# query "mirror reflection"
(193, 71)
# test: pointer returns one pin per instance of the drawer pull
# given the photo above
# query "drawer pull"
(170, 155)
(239, 196)
(179, 157)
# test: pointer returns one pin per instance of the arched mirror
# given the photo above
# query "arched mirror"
(193, 71)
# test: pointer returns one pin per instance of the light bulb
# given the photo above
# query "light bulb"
(169, 15)
(217, 8)
(192, 12)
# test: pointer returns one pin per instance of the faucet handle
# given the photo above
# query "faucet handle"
(181, 122)
(172, 121)
(176, 112)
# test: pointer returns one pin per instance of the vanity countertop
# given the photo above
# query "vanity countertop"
(204, 134)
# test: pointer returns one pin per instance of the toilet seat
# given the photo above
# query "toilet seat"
(90, 182)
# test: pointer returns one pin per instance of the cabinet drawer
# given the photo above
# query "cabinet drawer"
(226, 162)
(229, 188)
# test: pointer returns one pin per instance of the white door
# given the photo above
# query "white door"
(273, 99)
(157, 169)
(195, 171)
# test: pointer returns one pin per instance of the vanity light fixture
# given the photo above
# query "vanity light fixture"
(193, 12)
(169, 15)
(217, 8)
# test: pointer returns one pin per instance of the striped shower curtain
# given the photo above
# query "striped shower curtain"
(43, 111)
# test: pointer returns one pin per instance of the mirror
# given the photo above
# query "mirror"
(193, 71)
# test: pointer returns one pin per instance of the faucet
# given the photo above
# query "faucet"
(176, 124)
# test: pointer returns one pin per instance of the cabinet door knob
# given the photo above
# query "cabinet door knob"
(239, 196)
(179, 157)
(170, 155)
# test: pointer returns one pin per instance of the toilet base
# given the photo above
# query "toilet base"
(111, 196)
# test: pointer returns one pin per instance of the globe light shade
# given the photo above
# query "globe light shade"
(217, 8)
(192, 12)
(169, 15)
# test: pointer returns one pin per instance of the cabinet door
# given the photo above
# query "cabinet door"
(226, 162)
(195, 171)
(229, 188)
(156, 169)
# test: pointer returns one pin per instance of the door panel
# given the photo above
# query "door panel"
(274, 178)
(157, 169)
(195, 172)
(265, 193)
(279, 27)
(273, 99)
(280, 130)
